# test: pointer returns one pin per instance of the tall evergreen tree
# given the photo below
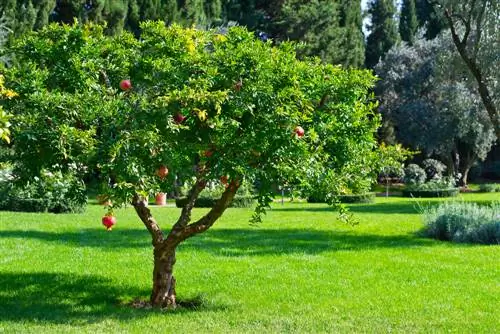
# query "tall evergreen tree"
(352, 45)
(429, 18)
(314, 22)
(408, 23)
(383, 30)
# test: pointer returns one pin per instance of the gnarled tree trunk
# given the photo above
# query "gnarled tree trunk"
(163, 292)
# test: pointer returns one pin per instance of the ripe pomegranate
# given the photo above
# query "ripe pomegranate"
(179, 118)
(162, 171)
(109, 222)
(125, 85)
(299, 131)
(238, 85)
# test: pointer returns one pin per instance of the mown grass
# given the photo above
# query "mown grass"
(299, 271)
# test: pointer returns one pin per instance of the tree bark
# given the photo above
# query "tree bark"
(163, 293)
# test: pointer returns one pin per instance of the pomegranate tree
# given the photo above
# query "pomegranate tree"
(203, 105)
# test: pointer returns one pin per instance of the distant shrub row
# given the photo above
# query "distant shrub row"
(51, 192)
(489, 187)
(351, 198)
(208, 202)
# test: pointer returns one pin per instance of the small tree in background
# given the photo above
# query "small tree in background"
(181, 104)
(426, 94)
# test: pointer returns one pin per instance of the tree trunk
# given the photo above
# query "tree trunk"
(465, 174)
(163, 293)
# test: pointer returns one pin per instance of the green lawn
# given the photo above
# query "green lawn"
(299, 271)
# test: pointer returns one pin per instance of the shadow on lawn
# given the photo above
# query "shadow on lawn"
(61, 298)
(235, 242)
(248, 242)
(76, 299)
(118, 238)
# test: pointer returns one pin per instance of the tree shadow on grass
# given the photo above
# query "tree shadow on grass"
(61, 298)
(75, 299)
(118, 238)
(257, 242)
(235, 242)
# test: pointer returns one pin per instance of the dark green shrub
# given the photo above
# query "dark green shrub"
(436, 188)
(26, 204)
(357, 198)
(463, 222)
(489, 187)
(350, 198)
(450, 192)
(208, 202)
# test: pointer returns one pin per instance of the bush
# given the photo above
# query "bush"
(351, 198)
(436, 188)
(414, 175)
(52, 192)
(451, 192)
(464, 222)
(434, 169)
(489, 187)
(208, 202)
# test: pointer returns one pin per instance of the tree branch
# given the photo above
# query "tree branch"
(468, 22)
(145, 214)
(479, 22)
(211, 217)
(185, 217)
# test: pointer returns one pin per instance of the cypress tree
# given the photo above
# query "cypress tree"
(383, 30)
(194, 13)
(408, 23)
(314, 22)
(352, 45)
(429, 19)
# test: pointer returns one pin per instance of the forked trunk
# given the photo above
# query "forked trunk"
(163, 293)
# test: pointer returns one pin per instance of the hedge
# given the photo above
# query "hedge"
(352, 198)
(450, 192)
(208, 202)
(40, 205)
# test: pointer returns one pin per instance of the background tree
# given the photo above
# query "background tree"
(383, 30)
(475, 31)
(4, 93)
(316, 23)
(429, 19)
(351, 51)
(408, 23)
(425, 93)
(199, 105)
